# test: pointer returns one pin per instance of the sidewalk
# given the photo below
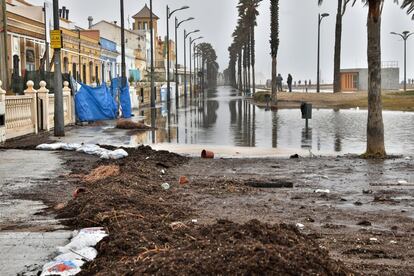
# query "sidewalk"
(27, 236)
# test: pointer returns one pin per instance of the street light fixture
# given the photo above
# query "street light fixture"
(191, 78)
(185, 59)
(177, 25)
(169, 14)
(320, 18)
(404, 35)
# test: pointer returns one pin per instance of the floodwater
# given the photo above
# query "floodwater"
(223, 117)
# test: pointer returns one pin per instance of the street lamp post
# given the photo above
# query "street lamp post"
(318, 82)
(404, 35)
(169, 14)
(177, 25)
(185, 59)
(152, 57)
(191, 78)
(123, 64)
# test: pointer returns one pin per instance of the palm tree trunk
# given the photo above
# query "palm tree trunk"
(274, 76)
(375, 127)
(239, 73)
(249, 58)
(244, 68)
(253, 60)
(337, 55)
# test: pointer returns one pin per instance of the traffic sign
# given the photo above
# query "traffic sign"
(56, 41)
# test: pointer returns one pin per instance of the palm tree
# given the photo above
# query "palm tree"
(251, 17)
(342, 4)
(274, 43)
(209, 62)
(375, 126)
(242, 49)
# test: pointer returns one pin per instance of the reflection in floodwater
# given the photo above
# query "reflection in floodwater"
(306, 142)
(224, 117)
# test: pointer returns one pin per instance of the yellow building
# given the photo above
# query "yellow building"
(26, 47)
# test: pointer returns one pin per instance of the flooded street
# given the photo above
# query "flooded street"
(226, 118)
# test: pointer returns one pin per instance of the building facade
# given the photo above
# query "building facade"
(356, 79)
(142, 25)
(135, 47)
(109, 56)
(28, 51)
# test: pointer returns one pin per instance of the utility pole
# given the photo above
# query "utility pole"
(177, 25)
(59, 129)
(168, 57)
(191, 76)
(185, 65)
(123, 64)
(176, 63)
(152, 57)
(4, 60)
(318, 78)
(405, 35)
(185, 59)
(169, 14)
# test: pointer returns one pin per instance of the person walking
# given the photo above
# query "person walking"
(289, 82)
(279, 81)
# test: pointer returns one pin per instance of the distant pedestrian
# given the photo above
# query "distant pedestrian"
(310, 83)
(300, 82)
(289, 82)
(279, 81)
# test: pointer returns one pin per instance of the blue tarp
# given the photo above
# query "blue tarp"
(124, 97)
(95, 104)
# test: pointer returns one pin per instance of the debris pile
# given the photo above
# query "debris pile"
(152, 229)
(131, 125)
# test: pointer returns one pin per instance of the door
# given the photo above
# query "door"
(349, 81)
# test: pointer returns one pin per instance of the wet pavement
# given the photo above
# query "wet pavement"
(28, 235)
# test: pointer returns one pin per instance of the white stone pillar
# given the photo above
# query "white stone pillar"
(2, 114)
(43, 96)
(67, 97)
(134, 97)
(30, 91)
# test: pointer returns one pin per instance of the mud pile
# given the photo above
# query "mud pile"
(151, 230)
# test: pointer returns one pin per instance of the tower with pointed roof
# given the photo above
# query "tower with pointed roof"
(142, 20)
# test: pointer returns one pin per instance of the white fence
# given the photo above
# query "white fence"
(33, 111)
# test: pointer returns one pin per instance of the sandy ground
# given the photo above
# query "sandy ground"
(366, 219)
(391, 100)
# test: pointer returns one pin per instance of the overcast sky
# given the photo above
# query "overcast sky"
(298, 31)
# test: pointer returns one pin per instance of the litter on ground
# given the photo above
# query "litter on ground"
(90, 149)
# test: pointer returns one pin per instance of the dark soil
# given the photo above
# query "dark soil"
(27, 142)
(153, 231)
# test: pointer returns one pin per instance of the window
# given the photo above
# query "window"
(65, 65)
(84, 73)
(16, 65)
(74, 71)
(97, 74)
(91, 78)
(30, 60)
(145, 25)
(103, 72)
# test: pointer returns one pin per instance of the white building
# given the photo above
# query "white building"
(135, 46)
